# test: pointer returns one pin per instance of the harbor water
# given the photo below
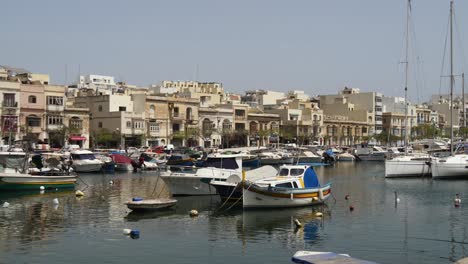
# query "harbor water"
(423, 227)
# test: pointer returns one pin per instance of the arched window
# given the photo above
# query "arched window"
(32, 99)
(151, 110)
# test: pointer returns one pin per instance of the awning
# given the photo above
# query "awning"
(77, 138)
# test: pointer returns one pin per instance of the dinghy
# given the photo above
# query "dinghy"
(139, 204)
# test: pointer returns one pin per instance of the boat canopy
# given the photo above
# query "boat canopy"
(222, 163)
(117, 158)
(310, 178)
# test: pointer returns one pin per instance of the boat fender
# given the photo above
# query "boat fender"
(318, 214)
(6, 204)
(297, 223)
(135, 234)
(79, 193)
(55, 201)
(292, 196)
(321, 194)
(457, 200)
(346, 197)
(193, 213)
(127, 231)
(42, 188)
(137, 199)
(315, 199)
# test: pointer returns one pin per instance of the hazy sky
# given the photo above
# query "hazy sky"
(311, 45)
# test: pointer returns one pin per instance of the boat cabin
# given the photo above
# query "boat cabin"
(83, 155)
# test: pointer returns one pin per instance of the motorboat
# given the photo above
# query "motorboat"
(197, 182)
(180, 160)
(122, 162)
(85, 161)
(286, 191)
(374, 153)
(410, 165)
(272, 158)
(451, 167)
(345, 157)
(307, 157)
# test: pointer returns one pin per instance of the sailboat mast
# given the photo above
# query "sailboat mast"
(408, 10)
(463, 99)
(451, 78)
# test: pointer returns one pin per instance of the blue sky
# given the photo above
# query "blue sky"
(310, 45)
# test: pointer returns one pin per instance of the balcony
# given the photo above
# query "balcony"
(177, 116)
(9, 104)
(239, 117)
(55, 108)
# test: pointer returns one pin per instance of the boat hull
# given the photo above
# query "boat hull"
(417, 168)
(255, 197)
(229, 192)
(28, 182)
(87, 167)
(449, 171)
(151, 205)
(372, 157)
(189, 185)
(123, 167)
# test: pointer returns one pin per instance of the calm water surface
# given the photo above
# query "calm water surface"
(424, 227)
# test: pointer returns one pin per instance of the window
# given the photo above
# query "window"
(54, 120)
(76, 123)
(284, 185)
(33, 121)
(100, 124)
(284, 172)
(154, 127)
(129, 124)
(122, 109)
(54, 100)
(176, 111)
(296, 172)
(32, 99)
(138, 124)
(9, 100)
(100, 108)
(151, 110)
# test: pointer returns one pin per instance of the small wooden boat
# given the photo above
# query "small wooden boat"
(138, 204)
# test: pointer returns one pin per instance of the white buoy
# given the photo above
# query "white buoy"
(297, 223)
(193, 212)
(457, 200)
(397, 199)
(318, 214)
(79, 193)
(127, 231)
(6, 204)
(42, 188)
(315, 199)
(111, 182)
(55, 201)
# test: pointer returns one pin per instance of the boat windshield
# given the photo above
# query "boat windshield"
(297, 172)
(83, 156)
(221, 163)
(284, 172)
(12, 161)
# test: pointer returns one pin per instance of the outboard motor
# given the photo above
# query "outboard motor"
(328, 156)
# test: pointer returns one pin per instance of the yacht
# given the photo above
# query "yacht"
(410, 165)
(85, 161)
(371, 154)
(217, 168)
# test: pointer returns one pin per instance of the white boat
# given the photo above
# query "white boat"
(455, 165)
(316, 257)
(272, 158)
(307, 157)
(452, 167)
(410, 165)
(371, 154)
(85, 161)
(286, 191)
(214, 168)
(345, 157)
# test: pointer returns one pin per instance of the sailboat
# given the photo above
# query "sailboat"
(414, 164)
(455, 165)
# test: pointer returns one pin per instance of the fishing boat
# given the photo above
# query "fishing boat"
(286, 191)
(85, 161)
(231, 188)
(138, 204)
(14, 176)
(180, 160)
(197, 182)
(122, 162)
